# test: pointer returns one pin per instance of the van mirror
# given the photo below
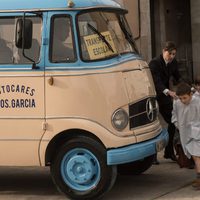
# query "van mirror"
(23, 34)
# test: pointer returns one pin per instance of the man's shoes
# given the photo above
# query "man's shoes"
(172, 157)
(196, 184)
(155, 162)
(191, 166)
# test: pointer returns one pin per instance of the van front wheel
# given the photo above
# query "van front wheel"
(80, 171)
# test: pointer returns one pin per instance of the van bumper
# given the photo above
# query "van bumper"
(137, 151)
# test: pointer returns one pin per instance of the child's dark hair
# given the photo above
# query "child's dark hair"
(183, 88)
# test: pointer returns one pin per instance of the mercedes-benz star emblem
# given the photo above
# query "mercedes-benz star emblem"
(149, 107)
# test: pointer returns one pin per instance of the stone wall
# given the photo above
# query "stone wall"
(195, 23)
(139, 21)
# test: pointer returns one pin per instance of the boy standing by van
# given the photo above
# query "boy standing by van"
(186, 117)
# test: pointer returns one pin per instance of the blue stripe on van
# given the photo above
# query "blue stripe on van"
(79, 65)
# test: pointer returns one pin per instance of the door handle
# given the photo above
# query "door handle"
(51, 80)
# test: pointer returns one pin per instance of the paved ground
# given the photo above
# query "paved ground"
(162, 182)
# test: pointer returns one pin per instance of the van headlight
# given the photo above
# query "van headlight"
(120, 119)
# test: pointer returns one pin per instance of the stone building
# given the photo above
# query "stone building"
(155, 21)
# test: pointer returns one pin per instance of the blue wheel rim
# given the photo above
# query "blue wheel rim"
(80, 169)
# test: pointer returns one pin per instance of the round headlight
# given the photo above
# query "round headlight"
(120, 119)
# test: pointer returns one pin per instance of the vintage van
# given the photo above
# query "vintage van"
(74, 94)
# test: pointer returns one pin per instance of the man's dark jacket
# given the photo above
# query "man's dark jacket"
(161, 76)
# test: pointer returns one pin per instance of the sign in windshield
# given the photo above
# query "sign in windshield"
(97, 48)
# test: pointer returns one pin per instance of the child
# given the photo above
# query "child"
(186, 117)
(197, 87)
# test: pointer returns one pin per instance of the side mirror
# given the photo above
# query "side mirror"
(23, 33)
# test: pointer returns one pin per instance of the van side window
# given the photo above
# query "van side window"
(6, 55)
(62, 45)
(9, 53)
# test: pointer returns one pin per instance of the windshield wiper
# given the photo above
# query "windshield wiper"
(106, 20)
(128, 35)
(101, 36)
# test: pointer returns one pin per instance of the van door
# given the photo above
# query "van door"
(21, 94)
(60, 58)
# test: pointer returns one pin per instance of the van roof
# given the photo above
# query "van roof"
(14, 5)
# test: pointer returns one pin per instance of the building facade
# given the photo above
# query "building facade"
(155, 21)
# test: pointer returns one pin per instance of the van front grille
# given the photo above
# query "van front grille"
(143, 112)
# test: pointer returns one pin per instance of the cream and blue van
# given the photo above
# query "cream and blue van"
(74, 94)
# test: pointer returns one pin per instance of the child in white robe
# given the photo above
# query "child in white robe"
(197, 87)
(186, 117)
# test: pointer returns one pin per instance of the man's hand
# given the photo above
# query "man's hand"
(172, 94)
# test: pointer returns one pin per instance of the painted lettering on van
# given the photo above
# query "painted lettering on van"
(7, 100)
(17, 88)
(17, 103)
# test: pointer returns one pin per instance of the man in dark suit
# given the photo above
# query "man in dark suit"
(163, 68)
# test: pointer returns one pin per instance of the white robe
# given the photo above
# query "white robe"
(187, 119)
(196, 94)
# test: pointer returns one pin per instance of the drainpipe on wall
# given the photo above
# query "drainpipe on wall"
(139, 22)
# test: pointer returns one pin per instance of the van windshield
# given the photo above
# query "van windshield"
(104, 35)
